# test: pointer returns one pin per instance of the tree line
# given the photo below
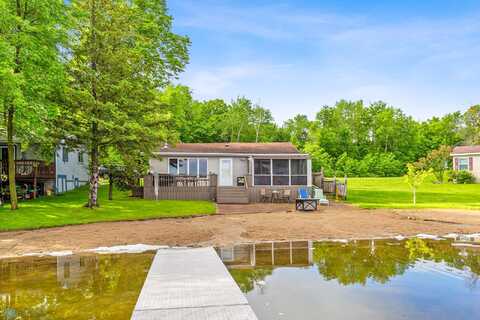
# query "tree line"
(347, 138)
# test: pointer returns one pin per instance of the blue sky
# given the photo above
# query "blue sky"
(294, 56)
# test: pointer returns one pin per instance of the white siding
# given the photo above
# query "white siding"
(72, 173)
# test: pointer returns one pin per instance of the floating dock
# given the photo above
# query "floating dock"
(190, 284)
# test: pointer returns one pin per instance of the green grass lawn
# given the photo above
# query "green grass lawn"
(68, 208)
(395, 193)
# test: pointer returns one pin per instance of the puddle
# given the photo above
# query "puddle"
(87, 286)
(419, 278)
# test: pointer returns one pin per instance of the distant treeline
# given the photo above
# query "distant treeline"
(348, 138)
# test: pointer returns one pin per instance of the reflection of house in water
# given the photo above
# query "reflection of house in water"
(288, 253)
(471, 240)
(70, 269)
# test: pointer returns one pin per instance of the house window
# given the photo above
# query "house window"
(65, 154)
(173, 166)
(262, 172)
(281, 172)
(299, 172)
(196, 167)
(80, 156)
(463, 164)
(202, 168)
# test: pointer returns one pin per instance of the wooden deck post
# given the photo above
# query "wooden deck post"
(35, 172)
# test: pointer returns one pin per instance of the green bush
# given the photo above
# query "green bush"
(460, 177)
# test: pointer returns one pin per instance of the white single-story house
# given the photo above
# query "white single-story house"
(242, 170)
(467, 158)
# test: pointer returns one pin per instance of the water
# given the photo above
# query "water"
(382, 279)
(82, 287)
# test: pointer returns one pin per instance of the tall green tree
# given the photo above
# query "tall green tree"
(31, 75)
(472, 125)
(122, 51)
(298, 130)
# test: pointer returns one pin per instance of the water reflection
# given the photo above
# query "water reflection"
(378, 279)
(72, 287)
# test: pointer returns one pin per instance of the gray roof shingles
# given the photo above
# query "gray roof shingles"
(233, 147)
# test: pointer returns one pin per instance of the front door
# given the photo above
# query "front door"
(226, 172)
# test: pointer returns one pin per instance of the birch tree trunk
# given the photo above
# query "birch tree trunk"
(93, 196)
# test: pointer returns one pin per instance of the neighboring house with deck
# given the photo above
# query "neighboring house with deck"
(467, 158)
(65, 170)
(226, 172)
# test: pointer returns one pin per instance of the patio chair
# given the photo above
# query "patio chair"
(285, 196)
(264, 197)
(304, 202)
(318, 194)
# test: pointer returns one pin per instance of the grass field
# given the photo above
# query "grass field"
(395, 193)
(68, 208)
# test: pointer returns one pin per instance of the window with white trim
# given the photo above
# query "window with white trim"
(463, 164)
(196, 167)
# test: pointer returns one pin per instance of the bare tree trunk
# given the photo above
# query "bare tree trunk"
(11, 161)
(257, 132)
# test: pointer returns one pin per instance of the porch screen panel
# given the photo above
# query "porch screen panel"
(262, 172)
(280, 171)
(299, 172)
(202, 168)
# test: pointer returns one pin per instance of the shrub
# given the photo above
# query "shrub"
(460, 176)
(465, 177)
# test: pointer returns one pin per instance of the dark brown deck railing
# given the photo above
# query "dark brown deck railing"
(28, 169)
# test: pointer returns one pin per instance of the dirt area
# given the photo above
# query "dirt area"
(244, 223)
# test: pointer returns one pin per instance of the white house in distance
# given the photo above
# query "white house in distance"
(467, 158)
(66, 170)
(242, 171)
(71, 166)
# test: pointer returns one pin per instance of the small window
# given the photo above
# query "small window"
(173, 166)
(182, 167)
(192, 167)
(65, 154)
(80, 156)
(202, 168)
(463, 164)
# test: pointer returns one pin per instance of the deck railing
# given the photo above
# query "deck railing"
(163, 186)
(29, 169)
(332, 186)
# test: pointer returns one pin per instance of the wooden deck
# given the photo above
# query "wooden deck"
(30, 169)
(190, 284)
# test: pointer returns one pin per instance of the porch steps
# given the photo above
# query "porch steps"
(232, 195)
